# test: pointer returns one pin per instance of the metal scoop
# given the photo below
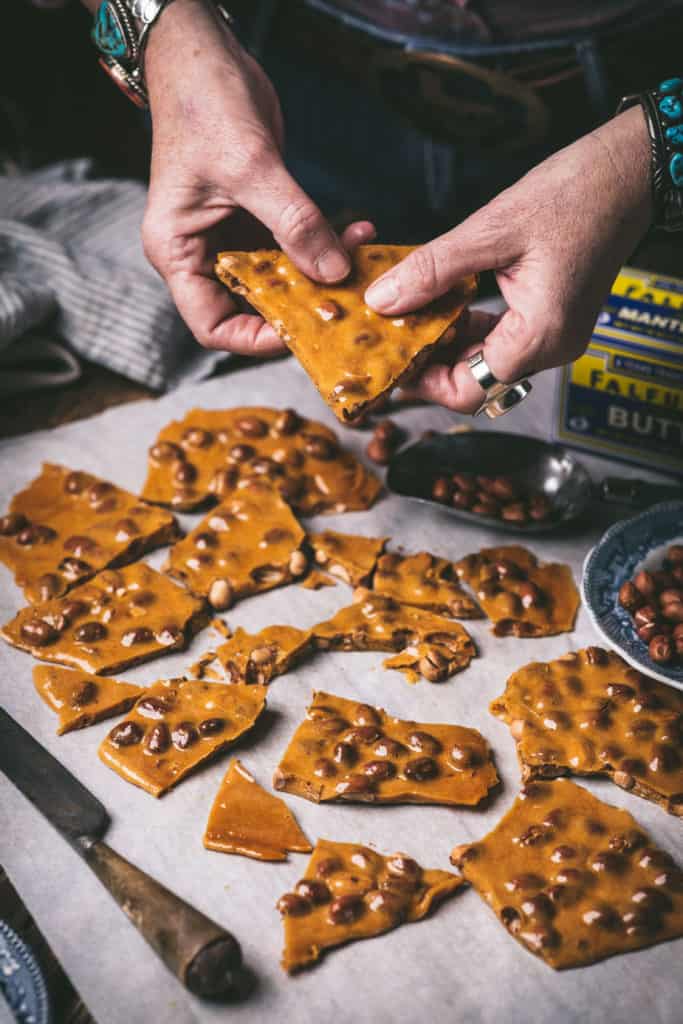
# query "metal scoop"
(535, 466)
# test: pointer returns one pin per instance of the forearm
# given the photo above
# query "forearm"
(217, 152)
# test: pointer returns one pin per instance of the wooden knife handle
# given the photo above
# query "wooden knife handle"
(206, 958)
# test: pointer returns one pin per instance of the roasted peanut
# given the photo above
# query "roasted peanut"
(645, 584)
(647, 632)
(645, 615)
(661, 649)
(442, 489)
(539, 508)
(378, 451)
(502, 487)
(678, 639)
(675, 554)
(483, 507)
(515, 512)
(673, 611)
(463, 499)
(464, 482)
(630, 597)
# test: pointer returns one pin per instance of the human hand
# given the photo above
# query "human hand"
(218, 180)
(556, 241)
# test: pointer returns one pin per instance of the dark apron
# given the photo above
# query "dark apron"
(415, 112)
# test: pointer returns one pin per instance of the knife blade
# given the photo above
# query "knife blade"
(52, 789)
(205, 957)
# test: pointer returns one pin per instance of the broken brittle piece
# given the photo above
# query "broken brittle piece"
(246, 819)
(353, 355)
(260, 657)
(81, 699)
(249, 544)
(345, 750)
(316, 580)
(574, 879)
(520, 596)
(210, 452)
(378, 623)
(177, 725)
(589, 713)
(120, 618)
(426, 581)
(433, 661)
(351, 892)
(67, 525)
(349, 557)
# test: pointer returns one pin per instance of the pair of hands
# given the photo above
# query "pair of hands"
(555, 240)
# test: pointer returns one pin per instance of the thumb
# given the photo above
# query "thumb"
(297, 225)
(482, 242)
(510, 350)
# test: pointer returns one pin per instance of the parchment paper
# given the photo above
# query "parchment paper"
(459, 965)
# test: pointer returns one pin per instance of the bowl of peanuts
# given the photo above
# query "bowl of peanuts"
(632, 588)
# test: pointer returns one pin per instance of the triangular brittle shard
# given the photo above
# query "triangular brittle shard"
(248, 820)
(353, 355)
(350, 892)
(81, 699)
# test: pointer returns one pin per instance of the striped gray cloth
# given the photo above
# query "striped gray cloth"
(71, 261)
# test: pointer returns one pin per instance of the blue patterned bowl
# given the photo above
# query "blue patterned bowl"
(21, 980)
(627, 547)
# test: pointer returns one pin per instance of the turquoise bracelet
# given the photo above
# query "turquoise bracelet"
(120, 34)
(663, 109)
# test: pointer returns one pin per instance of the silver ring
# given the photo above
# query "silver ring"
(500, 398)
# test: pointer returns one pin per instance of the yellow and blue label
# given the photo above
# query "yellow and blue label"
(624, 397)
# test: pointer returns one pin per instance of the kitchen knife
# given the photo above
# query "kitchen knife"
(206, 958)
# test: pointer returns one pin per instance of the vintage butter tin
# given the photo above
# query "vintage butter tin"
(624, 397)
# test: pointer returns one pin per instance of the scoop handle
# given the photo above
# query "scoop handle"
(638, 493)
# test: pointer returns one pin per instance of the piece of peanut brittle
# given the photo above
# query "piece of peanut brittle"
(574, 879)
(345, 750)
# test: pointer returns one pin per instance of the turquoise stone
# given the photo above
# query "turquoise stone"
(108, 34)
(671, 107)
(674, 134)
(676, 169)
(671, 85)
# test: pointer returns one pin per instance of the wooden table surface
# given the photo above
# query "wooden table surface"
(97, 389)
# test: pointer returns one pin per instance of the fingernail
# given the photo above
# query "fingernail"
(382, 294)
(333, 265)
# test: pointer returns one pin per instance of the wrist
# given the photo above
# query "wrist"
(626, 137)
(185, 31)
